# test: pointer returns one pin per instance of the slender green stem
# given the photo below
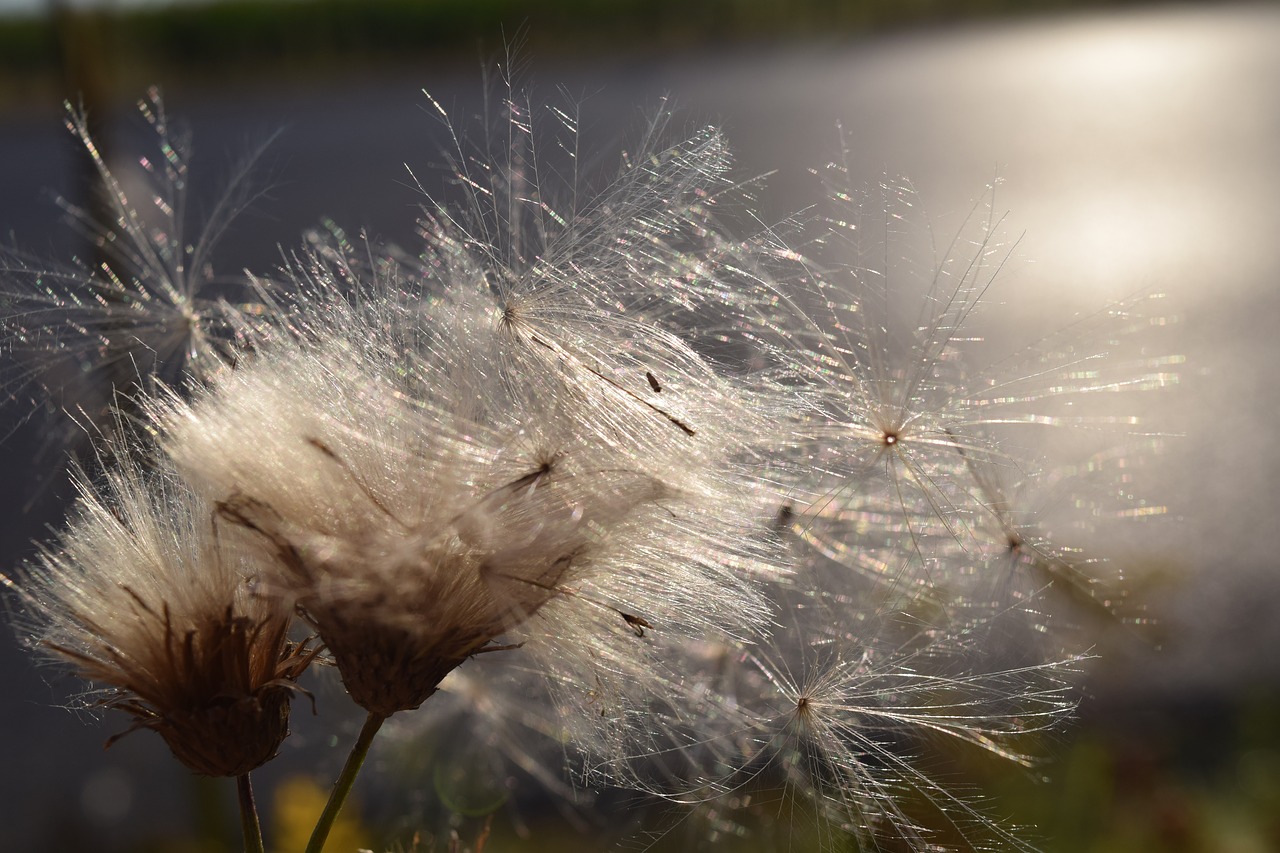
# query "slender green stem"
(347, 778)
(249, 816)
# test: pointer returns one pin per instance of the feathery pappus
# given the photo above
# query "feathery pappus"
(716, 508)
(146, 598)
(144, 304)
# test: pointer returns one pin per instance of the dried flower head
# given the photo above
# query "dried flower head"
(146, 600)
(420, 509)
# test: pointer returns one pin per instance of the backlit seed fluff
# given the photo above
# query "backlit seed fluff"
(420, 515)
(143, 598)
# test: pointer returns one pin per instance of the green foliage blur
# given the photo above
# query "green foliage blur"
(1116, 788)
(1142, 785)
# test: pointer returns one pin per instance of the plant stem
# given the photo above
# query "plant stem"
(249, 816)
(347, 778)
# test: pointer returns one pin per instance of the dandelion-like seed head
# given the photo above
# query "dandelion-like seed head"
(416, 510)
(144, 600)
(853, 729)
(141, 307)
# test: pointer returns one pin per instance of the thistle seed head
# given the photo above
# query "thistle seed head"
(144, 600)
(417, 511)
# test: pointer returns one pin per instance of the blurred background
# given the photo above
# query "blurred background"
(1139, 148)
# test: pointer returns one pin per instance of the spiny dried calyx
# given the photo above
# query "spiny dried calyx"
(385, 669)
(144, 599)
(229, 737)
(218, 694)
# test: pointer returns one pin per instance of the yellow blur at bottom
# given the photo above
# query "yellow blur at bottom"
(298, 802)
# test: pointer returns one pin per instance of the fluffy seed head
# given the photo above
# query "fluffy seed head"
(416, 512)
(142, 598)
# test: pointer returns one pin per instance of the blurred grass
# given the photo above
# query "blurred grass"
(1134, 782)
(1154, 779)
(250, 39)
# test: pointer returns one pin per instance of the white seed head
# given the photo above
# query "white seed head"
(420, 509)
(146, 600)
